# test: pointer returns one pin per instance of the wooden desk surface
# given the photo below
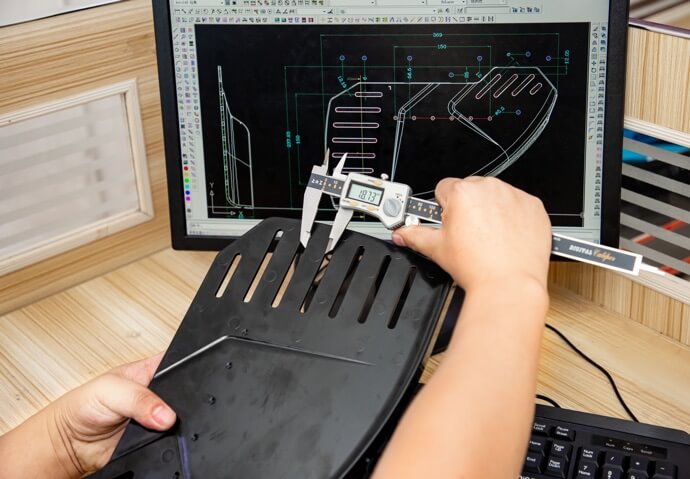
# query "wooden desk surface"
(62, 341)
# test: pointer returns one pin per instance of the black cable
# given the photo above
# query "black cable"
(600, 368)
(548, 400)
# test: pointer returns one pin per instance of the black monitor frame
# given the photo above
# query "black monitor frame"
(613, 130)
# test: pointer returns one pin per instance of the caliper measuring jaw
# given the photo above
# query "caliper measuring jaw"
(344, 215)
(312, 198)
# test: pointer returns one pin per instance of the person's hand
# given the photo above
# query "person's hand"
(495, 241)
(86, 424)
(491, 233)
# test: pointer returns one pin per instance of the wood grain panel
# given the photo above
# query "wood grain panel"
(678, 16)
(685, 325)
(59, 342)
(57, 57)
(622, 295)
(658, 79)
(633, 354)
(657, 92)
(55, 344)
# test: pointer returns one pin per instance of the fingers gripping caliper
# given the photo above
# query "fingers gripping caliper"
(393, 204)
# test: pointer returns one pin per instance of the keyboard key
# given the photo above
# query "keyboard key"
(646, 451)
(537, 444)
(639, 464)
(611, 472)
(589, 454)
(587, 470)
(613, 443)
(562, 449)
(541, 428)
(628, 447)
(614, 460)
(533, 462)
(557, 467)
(563, 432)
(664, 470)
(637, 475)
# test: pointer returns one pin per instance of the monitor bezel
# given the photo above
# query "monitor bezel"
(612, 151)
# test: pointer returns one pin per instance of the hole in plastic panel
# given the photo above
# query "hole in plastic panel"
(403, 297)
(262, 267)
(369, 301)
(315, 283)
(286, 281)
(356, 259)
(228, 276)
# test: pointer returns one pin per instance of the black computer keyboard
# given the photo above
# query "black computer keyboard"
(572, 445)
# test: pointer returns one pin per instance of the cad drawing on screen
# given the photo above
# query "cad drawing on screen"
(360, 116)
(417, 103)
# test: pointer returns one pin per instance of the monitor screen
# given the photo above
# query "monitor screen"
(256, 92)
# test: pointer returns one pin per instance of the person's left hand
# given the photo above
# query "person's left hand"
(86, 424)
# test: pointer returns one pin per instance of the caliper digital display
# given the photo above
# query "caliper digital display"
(365, 193)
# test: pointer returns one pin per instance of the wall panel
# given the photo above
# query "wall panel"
(58, 57)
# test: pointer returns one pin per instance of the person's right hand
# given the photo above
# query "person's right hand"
(492, 233)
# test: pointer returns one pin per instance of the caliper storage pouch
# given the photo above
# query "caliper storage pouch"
(290, 364)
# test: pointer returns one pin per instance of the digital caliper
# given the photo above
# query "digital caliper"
(393, 204)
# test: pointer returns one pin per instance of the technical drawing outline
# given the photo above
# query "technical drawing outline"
(511, 154)
(230, 157)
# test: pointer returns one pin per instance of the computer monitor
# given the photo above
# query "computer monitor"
(255, 92)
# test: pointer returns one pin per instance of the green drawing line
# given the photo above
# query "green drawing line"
(287, 114)
(395, 101)
(491, 55)
(298, 146)
(558, 48)
(323, 104)
(435, 47)
(287, 128)
(318, 94)
(400, 66)
(361, 117)
(409, 80)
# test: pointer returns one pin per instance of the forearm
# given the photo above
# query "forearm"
(478, 406)
(35, 449)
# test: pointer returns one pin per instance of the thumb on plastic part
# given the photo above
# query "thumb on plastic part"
(418, 238)
(130, 399)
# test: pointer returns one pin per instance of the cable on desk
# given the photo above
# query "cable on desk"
(600, 368)
(548, 400)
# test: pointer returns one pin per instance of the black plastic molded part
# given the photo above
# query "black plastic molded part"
(266, 391)
(449, 321)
